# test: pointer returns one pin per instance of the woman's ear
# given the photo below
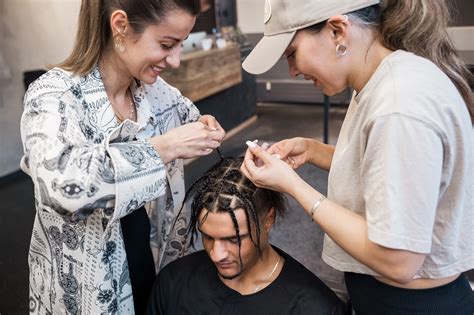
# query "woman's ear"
(119, 22)
(338, 25)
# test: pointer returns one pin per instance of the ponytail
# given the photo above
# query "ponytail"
(420, 27)
(93, 34)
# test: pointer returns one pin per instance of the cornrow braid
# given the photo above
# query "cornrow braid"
(237, 230)
(249, 208)
(223, 188)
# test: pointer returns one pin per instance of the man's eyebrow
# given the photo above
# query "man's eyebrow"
(200, 231)
(222, 238)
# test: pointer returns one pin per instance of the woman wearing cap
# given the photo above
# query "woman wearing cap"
(104, 136)
(399, 213)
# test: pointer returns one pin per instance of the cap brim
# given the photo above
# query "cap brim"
(267, 53)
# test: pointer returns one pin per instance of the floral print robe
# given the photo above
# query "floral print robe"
(89, 171)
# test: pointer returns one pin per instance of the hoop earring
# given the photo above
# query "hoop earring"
(118, 43)
(341, 50)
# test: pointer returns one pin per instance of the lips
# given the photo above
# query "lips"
(156, 70)
(308, 78)
(224, 265)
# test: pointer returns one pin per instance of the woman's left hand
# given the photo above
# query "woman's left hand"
(271, 172)
(212, 123)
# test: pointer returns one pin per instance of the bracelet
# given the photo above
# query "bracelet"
(316, 206)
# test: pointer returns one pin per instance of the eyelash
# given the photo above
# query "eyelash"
(292, 55)
(166, 47)
(233, 240)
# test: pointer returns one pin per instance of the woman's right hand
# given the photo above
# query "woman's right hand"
(187, 141)
(268, 171)
(293, 151)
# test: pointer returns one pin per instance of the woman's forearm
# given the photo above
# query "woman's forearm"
(320, 154)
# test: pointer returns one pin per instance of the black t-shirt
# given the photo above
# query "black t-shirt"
(191, 285)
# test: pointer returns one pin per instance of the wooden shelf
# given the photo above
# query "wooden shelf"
(204, 73)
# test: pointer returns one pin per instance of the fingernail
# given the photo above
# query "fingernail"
(213, 129)
(251, 144)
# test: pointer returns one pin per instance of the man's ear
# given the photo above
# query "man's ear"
(119, 22)
(338, 25)
(269, 219)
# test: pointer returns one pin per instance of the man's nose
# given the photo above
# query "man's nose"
(219, 251)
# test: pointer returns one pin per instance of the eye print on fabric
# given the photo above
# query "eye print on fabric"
(74, 190)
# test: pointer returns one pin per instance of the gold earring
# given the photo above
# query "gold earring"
(118, 43)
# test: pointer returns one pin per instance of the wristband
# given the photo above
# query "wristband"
(316, 206)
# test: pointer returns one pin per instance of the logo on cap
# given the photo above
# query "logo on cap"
(268, 12)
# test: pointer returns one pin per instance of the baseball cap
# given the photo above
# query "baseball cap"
(283, 18)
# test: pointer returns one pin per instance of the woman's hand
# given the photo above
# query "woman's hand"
(270, 172)
(213, 124)
(188, 141)
(294, 151)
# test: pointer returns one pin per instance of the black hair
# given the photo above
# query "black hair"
(223, 188)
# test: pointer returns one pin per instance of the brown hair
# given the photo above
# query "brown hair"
(420, 27)
(94, 33)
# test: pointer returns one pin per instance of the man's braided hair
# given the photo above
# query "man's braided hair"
(224, 188)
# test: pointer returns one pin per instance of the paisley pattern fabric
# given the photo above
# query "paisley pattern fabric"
(89, 171)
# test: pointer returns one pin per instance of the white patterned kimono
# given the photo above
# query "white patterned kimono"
(89, 171)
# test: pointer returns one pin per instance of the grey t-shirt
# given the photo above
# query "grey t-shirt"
(404, 160)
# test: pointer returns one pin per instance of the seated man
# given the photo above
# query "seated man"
(239, 272)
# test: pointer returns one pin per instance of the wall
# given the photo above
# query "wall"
(250, 15)
(462, 26)
(33, 34)
(462, 10)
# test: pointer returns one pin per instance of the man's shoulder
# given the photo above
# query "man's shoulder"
(306, 286)
(187, 264)
(297, 270)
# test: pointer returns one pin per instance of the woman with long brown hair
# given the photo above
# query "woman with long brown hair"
(399, 212)
(104, 137)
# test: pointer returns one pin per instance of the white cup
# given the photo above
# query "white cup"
(206, 43)
(221, 43)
